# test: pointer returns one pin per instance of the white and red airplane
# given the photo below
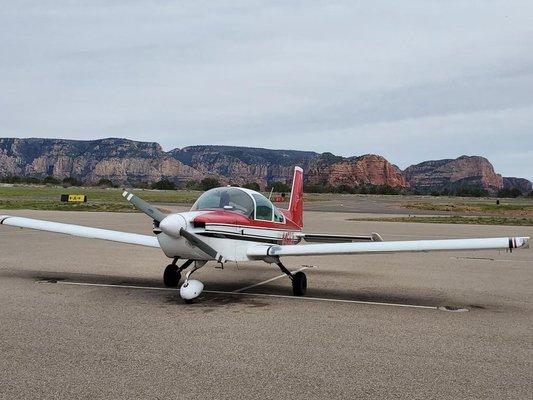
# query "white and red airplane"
(235, 224)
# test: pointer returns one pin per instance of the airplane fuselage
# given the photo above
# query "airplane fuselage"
(228, 231)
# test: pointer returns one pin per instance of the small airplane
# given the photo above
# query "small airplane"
(232, 224)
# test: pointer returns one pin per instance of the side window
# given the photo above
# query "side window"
(278, 216)
(263, 208)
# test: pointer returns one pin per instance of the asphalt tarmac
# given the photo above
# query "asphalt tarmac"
(90, 319)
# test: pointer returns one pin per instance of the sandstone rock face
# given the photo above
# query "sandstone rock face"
(369, 169)
(451, 174)
(240, 165)
(122, 161)
(521, 184)
(127, 162)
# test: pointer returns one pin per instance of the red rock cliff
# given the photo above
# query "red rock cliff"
(368, 169)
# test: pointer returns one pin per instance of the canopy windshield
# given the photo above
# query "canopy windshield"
(226, 198)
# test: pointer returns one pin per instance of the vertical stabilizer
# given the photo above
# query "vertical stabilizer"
(296, 204)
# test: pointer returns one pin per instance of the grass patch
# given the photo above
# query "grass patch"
(454, 219)
(99, 199)
(525, 210)
(54, 205)
(97, 194)
(34, 197)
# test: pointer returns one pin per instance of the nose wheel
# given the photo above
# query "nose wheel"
(172, 274)
(192, 288)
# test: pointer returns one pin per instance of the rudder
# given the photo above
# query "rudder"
(296, 203)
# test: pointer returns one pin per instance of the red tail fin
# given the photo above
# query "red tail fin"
(296, 204)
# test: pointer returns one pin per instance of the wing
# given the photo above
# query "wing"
(505, 243)
(79, 230)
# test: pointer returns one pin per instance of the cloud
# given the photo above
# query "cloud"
(424, 79)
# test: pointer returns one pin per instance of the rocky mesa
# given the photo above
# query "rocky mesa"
(121, 160)
(451, 174)
(369, 169)
(241, 165)
(129, 162)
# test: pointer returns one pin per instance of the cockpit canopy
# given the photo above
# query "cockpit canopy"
(251, 204)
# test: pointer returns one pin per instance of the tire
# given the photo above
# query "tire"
(299, 284)
(171, 276)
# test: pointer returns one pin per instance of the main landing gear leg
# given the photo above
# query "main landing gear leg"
(299, 280)
(172, 274)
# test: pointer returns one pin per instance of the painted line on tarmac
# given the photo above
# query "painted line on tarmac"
(490, 259)
(277, 296)
(270, 280)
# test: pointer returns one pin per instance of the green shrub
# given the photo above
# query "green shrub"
(164, 184)
(141, 185)
(253, 186)
(51, 180)
(71, 182)
(471, 191)
(106, 182)
(209, 183)
(279, 187)
(509, 192)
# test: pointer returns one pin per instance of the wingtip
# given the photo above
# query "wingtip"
(519, 242)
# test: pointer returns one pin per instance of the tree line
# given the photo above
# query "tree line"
(277, 187)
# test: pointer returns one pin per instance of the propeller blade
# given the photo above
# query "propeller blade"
(143, 206)
(196, 241)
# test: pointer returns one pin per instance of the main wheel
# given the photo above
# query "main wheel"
(171, 276)
(299, 284)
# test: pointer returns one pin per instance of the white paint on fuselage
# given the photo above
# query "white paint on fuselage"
(179, 247)
(174, 245)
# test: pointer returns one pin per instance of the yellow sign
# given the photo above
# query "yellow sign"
(76, 198)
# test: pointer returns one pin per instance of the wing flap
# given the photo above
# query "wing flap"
(327, 238)
(504, 243)
(80, 231)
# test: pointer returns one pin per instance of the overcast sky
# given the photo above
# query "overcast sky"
(411, 80)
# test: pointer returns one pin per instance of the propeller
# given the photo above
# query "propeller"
(158, 216)
(143, 206)
(199, 243)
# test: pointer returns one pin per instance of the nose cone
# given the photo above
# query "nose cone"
(172, 224)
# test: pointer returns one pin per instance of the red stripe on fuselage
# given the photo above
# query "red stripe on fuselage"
(236, 218)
